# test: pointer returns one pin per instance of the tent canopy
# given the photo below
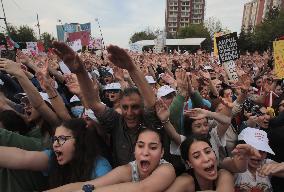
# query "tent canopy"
(174, 42)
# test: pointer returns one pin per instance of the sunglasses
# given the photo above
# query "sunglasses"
(113, 91)
(61, 139)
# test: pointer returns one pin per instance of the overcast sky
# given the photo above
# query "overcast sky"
(119, 19)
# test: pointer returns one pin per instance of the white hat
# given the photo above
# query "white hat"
(1, 82)
(45, 97)
(207, 67)
(256, 138)
(164, 90)
(150, 79)
(74, 99)
(113, 86)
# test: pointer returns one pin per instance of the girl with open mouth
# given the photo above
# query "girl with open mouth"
(74, 156)
(203, 174)
(147, 173)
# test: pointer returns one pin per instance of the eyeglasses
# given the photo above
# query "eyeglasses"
(61, 139)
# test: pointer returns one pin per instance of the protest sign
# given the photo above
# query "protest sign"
(228, 49)
(230, 68)
(64, 68)
(75, 45)
(278, 47)
(136, 47)
(84, 36)
(215, 43)
(32, 47)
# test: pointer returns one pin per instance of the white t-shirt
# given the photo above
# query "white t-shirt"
(215, 141)
(246, 182)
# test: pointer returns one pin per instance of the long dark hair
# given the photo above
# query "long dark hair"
(83, 161)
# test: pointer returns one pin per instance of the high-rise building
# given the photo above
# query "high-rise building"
(181, 13)
(256, 10)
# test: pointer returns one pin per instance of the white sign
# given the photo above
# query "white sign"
(230, 68)
(32, 47)
(136, 47)
(64, 68)
(75, 45)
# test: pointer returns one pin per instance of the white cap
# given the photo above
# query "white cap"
(45, 97)
(112, 86)
(256, 138)
(164, 90)
(206, 67)
(74, 99)
(150, 79)
(1, 82)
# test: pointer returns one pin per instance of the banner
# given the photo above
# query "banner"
(215, 44)
(228, 49)
(84, 36)
(98, 43)
(278, 47)
(75, 45)
(136, 47)
(32, 47)
(64, 30)
(230, 68)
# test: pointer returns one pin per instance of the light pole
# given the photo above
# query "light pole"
(4, 18)
(97, 20)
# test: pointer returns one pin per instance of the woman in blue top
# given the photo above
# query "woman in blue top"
(74, 156)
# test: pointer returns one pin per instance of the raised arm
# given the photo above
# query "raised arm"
(163, 114)
(15, 158)
(121, 59)
(76, 66)
(120, 174)
(34, 97)
(272, 169)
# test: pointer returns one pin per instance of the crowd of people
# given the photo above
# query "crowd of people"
(126, 121)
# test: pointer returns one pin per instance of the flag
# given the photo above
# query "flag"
(84, 36)
(12, 43)
(40, 46)
(278, 47)
(32, 47)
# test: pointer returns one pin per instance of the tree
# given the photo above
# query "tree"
(22, 34)
(196, 31)
(143, 35)
(47, 40)
(213, 25)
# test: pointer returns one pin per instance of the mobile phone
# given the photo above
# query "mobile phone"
(8, 54)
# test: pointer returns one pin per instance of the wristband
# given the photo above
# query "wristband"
(166, 121)
(52, 97)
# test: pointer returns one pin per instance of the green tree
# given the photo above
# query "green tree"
(196, 31)
(213, 25)
(143, 35)
(47, 40)
(25, 34)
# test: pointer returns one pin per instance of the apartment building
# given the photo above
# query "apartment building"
(181, 13)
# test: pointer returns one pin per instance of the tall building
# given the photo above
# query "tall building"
(181, 13)
(256, 10)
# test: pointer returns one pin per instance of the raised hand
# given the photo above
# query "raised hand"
(196, 113)
(120, 58)
(68, 56)
(245, 151)
(162, 110)
(11, 67)
(46, 82)
(118, 73)
(72, 84)
(169, 79)
(182, 81)
(270, 169)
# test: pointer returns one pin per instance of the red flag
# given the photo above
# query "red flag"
(40, 46)
(83, 35)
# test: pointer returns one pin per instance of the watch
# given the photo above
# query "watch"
(88, 188)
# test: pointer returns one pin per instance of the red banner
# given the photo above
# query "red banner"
(83, 35)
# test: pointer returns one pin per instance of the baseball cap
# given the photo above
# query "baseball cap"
(256, 138)
(74, 99)
(113, 86)
(150, 79)
(164, 90)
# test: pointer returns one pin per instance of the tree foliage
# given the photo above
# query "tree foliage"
(144, 35)
(265, 33)
(213, 25)
(47, 40)
(22, 34)
(196, 31)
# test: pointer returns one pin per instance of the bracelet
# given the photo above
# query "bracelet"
(166, 121)
(52, 97)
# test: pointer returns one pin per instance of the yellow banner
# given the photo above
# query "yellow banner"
(215, 43)
(278, 47)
